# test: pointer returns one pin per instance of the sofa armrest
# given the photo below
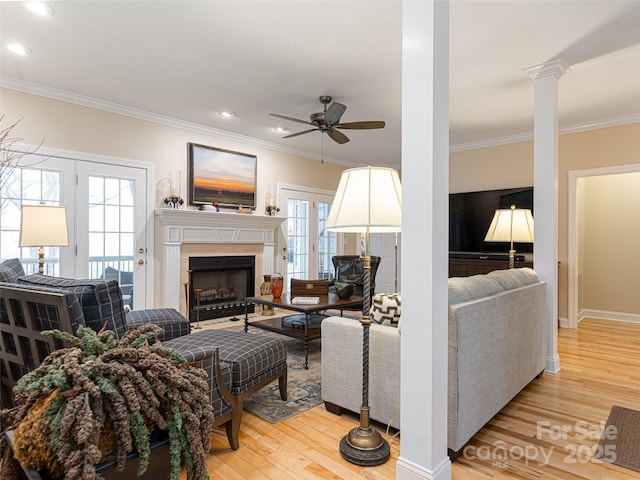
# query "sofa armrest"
(342, 367)
(169, 319)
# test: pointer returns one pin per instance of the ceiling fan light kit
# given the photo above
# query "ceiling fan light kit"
(328, 120)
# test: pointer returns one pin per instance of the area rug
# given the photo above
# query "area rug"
(303, 386)
(620, 442)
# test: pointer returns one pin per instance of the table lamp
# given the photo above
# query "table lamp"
(43, 226)
(511, 225)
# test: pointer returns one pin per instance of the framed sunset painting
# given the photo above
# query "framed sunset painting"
(221, 176)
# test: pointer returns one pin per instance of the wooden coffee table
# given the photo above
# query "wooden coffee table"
(307, 326)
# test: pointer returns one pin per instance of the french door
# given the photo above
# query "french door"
(110, 227)
(309, 246)
(106, 218)
(38, 180)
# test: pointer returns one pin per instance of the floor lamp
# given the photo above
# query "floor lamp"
(511, 225)
(368, 200)
(43, 226)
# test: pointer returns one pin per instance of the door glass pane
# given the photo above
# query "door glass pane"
(298, 232)
(327, 246)
(27, 186)
(111, 226)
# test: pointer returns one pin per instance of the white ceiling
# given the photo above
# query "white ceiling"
(188, 60)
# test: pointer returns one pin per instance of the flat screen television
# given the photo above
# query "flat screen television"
(470, 214)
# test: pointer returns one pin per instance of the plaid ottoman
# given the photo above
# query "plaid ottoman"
(249, 362)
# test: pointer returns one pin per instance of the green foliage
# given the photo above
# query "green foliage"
(128, 385)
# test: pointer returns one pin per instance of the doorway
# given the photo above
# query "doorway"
(576, 242)
(108, 204)
(309, 246)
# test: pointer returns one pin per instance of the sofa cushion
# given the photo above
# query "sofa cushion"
(10, 270)
(385, 308)
(514, 277)
(465, 289)
(100, 299)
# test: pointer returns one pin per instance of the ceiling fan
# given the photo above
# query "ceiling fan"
(328, 120)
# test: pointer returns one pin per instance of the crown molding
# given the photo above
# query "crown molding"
(197, 128)
(566, 130)
(139, 114)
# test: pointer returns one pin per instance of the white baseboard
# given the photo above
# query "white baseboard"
(407, 470)
(553, 364)
(607, 315)
(563, 322)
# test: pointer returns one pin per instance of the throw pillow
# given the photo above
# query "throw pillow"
(385, 308)
(10, 270)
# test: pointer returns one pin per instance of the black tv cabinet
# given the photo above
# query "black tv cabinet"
(465, 265)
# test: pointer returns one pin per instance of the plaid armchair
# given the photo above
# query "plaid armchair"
(237, 363)
(31, 304)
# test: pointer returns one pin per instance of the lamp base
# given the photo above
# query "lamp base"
(364, 447)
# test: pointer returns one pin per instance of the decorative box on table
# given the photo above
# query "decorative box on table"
(309, 288)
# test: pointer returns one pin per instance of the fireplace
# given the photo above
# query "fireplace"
(182, 234)
(218, 286)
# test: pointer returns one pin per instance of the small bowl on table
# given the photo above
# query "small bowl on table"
(344, 290)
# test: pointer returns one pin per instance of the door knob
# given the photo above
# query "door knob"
(140, 262)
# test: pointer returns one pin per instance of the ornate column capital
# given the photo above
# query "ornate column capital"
(557, 68)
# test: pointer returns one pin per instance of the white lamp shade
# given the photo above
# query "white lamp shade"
(511, 225)
(367, 198)
(43, 226)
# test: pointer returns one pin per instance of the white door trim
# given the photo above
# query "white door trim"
(572, 247)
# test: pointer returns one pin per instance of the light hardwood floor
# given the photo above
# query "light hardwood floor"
(548, 431)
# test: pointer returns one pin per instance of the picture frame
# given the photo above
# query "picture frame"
(219, 176)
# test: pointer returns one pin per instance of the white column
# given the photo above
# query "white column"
(268, 258)
(425, 186)
(171, 270)
(545, 192)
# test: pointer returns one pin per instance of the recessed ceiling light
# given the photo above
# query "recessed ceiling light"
(227, 114)
(18, 49)
(39, 8)
(281, 130)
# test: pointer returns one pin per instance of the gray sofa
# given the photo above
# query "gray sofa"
(497, 345)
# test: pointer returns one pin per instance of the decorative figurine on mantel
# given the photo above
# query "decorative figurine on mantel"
(270, 202)
(174, 202)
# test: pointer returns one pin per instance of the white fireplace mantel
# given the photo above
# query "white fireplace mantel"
(175, 227)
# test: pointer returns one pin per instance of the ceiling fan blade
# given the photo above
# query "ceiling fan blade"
(301, 133)
(334, 113)
(290, 118)
(360, 125)
(338, 136)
